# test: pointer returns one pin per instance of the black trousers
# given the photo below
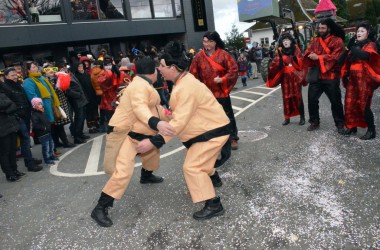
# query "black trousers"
(58, 132)
(368, 116)
(226, 149)
(92, 115)
(332, 90)
(8, 148)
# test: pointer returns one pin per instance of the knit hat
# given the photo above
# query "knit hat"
(35, 101)
(84, 58)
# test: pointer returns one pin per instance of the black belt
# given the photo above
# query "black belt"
(139, 137)
(133, 135)
(217, 132)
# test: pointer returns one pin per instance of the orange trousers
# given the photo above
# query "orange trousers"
(199, 166)
(125, 164)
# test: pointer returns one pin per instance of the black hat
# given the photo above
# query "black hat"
(174, 55)
(61, 64)
(17, 63)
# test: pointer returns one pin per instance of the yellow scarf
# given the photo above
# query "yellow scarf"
(43, 90)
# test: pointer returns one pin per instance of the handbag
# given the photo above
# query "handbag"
(59, 113)
(312, 75)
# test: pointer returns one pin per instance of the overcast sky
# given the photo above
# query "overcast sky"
(225, 15)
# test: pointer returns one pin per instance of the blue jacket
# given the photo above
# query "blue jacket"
(32, 91)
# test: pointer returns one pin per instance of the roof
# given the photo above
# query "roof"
(325, 5)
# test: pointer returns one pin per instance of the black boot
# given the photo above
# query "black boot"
(216, 181)
(302, 120)
(341, 130)
(212, 208)
(350, 131)
(100, 212)
(286, 122)
(149, 177)
(371, 134)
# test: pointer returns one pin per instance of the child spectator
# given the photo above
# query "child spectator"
(41, 128)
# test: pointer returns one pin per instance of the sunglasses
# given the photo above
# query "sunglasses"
(49, 69)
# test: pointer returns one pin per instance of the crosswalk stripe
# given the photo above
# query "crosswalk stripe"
(253, 92)
(93, 158)
(237, 108)
(242, 98)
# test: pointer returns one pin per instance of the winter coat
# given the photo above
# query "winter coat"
(8, 116)
(75, 94)
(40, 124)
(17, 94)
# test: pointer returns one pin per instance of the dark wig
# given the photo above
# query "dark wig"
(290, 50)
(214, 36)
(8, 70)
(368, 27)
(335, 29)
(174, 55)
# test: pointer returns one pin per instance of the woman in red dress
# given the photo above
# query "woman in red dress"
(360, 77)
(286, 69)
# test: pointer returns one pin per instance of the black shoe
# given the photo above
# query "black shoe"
(369, 135)
(149, 177)
(68, 145)
(341, 130)
(37, 161)
(285, 122)
(216, 181)
(12, 178)
(313, 126)
(93, 130)
(18, 173)
(302, 120)
(84, 137)
(212, 208)
(100, 212)
(350, 131)
(100, 215)
(34, 168)
(79, 140)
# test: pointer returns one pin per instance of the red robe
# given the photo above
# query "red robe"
(327, 56)
(291, 78)
(109, 84)
(364, 78)
(223, 66)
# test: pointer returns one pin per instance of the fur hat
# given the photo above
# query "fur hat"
(35, 101)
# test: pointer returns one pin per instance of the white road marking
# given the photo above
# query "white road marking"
(93, 161)
(237, 108)
(253, 92)
(242, 98)
(93, 158)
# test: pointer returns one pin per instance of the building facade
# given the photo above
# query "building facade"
(52, 29)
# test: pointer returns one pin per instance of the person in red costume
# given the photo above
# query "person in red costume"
(323, 53)
(360, 77)
(218, 70)
(109, 82)
(286, 69)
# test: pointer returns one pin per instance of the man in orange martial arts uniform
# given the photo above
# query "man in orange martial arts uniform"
(201, 124)
(137, 117)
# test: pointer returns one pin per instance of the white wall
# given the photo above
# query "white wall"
(258, 34)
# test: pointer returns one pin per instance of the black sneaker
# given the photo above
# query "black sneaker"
(34, 168)
(12, 178)
(37, 161)
(313, 126)
(18, 173)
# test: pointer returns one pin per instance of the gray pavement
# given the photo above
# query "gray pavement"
(285, 188)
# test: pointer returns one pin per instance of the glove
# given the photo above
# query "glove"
(358, 53)
(281, 64)
(351, 43)
(345, 81)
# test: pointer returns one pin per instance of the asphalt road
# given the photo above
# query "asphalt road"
(285, 188)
